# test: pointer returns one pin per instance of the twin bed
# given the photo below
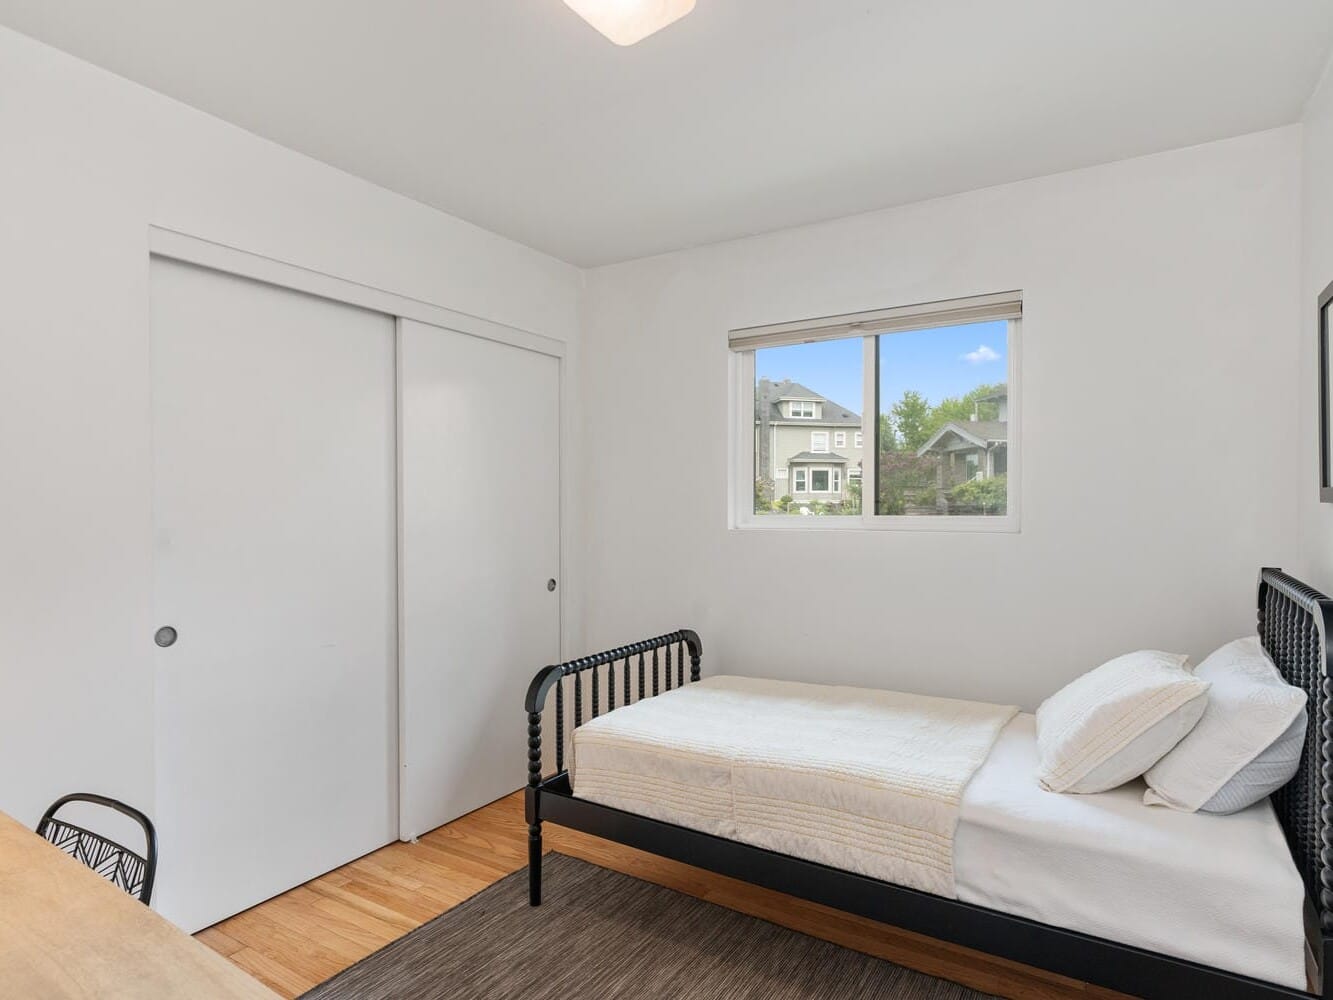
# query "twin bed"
(925, 813)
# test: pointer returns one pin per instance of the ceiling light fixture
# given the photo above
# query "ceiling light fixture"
(628, 21)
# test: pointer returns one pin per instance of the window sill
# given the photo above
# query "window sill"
(1008, 524)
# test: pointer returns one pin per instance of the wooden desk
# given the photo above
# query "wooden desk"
(67, 934)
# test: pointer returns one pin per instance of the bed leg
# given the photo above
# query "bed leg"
(535, 864)
(532, 808)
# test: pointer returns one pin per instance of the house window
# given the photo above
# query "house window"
(819, 382)
(934, 387)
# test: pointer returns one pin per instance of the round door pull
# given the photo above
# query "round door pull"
(165, 636)
(550, 584)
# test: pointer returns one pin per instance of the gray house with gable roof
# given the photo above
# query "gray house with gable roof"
(972, 449)
(806, 445)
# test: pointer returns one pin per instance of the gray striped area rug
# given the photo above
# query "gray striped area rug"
(599, 934)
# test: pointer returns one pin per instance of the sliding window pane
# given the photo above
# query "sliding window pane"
(808, 438)
(943, 432)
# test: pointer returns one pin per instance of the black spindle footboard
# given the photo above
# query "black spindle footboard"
(588, 671)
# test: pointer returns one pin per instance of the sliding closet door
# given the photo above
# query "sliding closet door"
(275, 552)
(480, 524)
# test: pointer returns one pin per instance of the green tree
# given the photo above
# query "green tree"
(911, 419)
(763, 494)
(959, 409)
(852, 505)
(988, 496)
(888, 440)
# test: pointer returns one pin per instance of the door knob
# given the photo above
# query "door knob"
(165, 636)
(550, 584)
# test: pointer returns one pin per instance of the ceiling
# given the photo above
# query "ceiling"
(746, 116)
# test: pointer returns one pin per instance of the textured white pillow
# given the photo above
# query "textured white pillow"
(1113, 723)
(1251, 709)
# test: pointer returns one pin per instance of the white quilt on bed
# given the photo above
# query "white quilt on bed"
(866, 781)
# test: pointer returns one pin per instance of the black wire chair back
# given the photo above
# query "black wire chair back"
(116, 863)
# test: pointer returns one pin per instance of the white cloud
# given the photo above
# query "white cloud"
(980, 356)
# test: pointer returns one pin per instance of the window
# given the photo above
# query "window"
(798, 379)
(943, 417)
(940, 384)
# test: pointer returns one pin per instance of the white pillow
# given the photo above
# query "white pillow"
(1248, 743)
(1113, 723)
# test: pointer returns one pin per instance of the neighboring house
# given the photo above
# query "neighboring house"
(806, 445)
(973, 449)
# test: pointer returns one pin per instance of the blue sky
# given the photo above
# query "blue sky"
(945, 361)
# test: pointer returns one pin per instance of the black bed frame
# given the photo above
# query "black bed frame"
(1294, 624)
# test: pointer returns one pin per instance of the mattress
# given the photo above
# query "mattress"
(1218, 890)
(866, 781)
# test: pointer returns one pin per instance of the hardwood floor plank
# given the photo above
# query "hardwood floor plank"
(277, 976)
(220, 942)
(300, 938)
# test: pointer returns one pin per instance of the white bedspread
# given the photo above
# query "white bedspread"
(867, 781)
(1220, 890)
(803, 769)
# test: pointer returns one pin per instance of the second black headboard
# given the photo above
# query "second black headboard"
(1295, 622)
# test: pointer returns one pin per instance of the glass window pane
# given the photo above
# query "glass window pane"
(804, 395)
(943, 421)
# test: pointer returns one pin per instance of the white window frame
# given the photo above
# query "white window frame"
(840, 439)
(869, 326)
(804, 404)
(800, 479)
(835, 480)
(828, 478)
(857, 439)
(815, 448)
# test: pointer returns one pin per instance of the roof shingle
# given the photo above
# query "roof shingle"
(768, 393)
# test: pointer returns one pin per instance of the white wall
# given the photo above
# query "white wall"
(1160, 382)
(1159, 388)
(1317, 259)
(87, 162)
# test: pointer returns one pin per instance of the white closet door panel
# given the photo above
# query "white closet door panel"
(275, 559)
(480, 526)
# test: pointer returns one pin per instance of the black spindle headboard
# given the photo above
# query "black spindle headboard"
(1295, 623)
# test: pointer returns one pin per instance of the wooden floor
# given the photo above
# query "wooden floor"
(304, 936)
